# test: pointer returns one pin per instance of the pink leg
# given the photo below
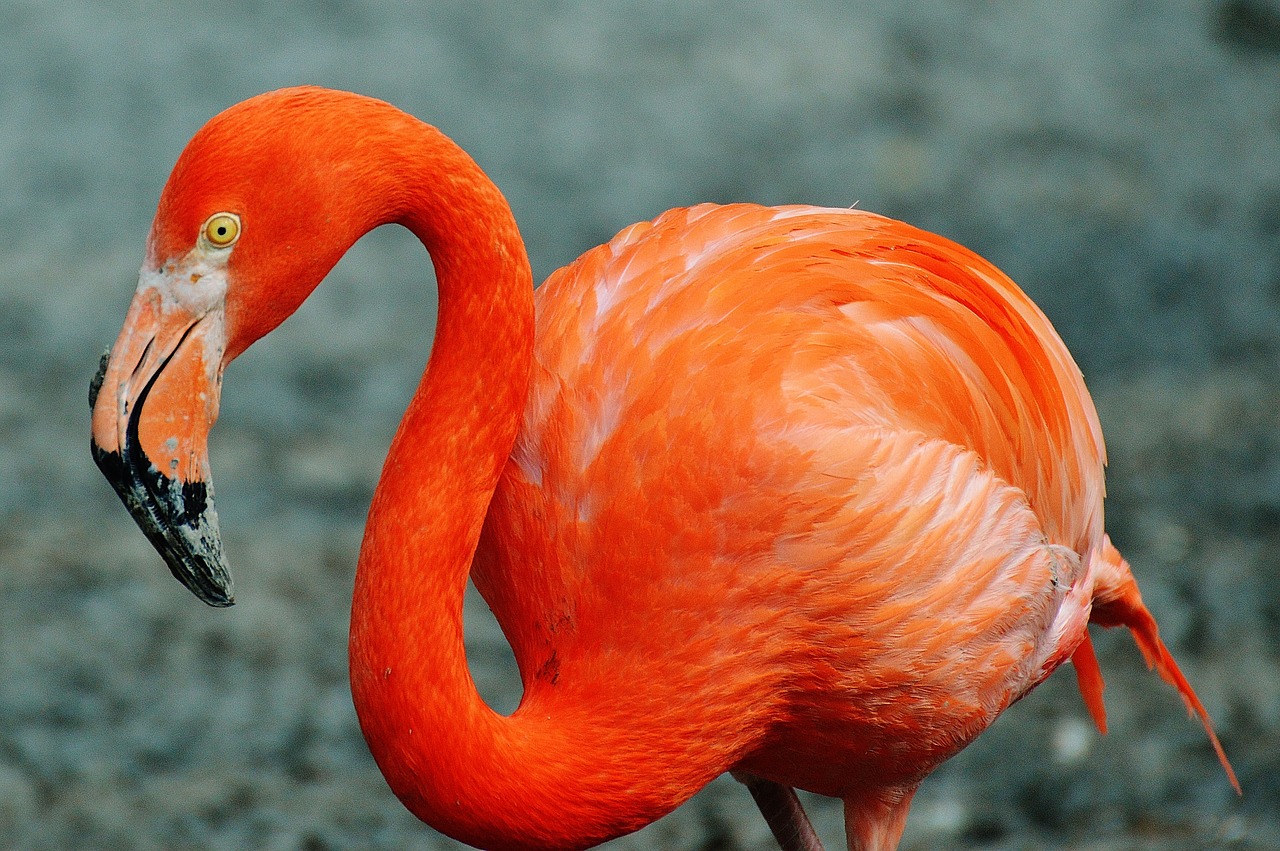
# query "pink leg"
(875, 821)
(782, 812)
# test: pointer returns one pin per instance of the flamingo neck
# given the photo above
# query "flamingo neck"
(480, 777)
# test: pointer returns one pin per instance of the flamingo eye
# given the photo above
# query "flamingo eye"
(221, 230)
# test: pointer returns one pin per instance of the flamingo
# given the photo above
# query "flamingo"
(806, 495)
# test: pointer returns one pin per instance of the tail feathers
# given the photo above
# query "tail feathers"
(1116, 602)
(1089, 678)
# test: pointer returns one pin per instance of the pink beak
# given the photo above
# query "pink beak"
(154, 400)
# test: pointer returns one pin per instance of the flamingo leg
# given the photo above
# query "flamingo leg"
(782, 812)
(875, 822)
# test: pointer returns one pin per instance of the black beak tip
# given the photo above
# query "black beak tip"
(216, 597)
(206, 578)
(178, 519)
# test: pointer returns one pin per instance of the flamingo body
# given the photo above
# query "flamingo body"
(808, 495)
(732, 491)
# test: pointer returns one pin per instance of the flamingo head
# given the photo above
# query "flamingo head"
(261, 204)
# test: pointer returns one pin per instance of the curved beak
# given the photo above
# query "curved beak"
(154, 400)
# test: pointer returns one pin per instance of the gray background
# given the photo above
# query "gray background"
(1120, 159)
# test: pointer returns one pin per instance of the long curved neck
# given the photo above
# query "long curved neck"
(409, 678)
(482, 778)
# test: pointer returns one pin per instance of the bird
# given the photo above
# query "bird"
(804, 495)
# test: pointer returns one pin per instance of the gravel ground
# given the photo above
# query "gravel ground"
(1120, 159)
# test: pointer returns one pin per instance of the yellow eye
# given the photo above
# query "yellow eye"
(221, 230)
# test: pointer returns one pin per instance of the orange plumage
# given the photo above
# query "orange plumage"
(806, 494)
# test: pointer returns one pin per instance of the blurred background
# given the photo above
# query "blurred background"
(1121, 160)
